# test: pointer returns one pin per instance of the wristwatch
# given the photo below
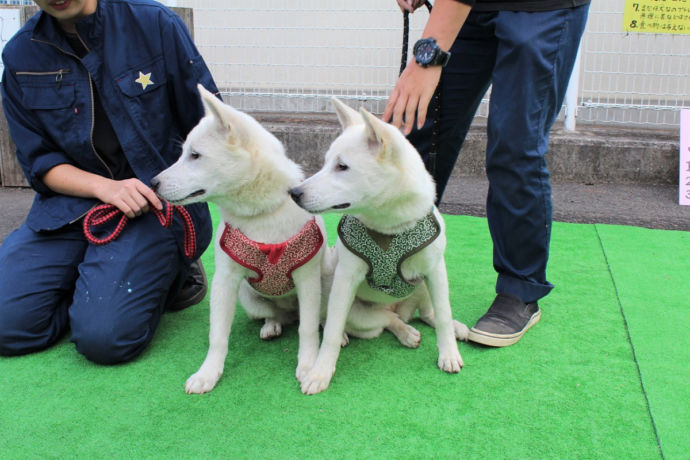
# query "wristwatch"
(427, 52)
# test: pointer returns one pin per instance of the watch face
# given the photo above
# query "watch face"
(425, 52)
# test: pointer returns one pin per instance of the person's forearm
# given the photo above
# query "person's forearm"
(445, 21)
(131, 196)
(70, 180)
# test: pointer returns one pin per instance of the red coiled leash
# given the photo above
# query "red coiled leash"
(104, 213)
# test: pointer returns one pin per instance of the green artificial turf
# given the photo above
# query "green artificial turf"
(571, 388)
(651, 277)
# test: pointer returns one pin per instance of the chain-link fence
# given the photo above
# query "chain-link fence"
(631, 78)
(293, 55)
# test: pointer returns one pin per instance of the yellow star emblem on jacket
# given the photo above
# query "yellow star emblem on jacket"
(144, 80)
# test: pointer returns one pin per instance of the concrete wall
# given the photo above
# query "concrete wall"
(592, 155)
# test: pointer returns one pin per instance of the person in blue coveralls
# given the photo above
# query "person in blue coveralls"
(99, 95)
(524, 49)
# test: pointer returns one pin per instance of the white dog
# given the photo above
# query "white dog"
(269, 251)
(391, 239)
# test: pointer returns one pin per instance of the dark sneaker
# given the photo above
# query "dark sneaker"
(193, 290)
(506, 321)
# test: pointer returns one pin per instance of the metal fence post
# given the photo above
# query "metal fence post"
(571, 94)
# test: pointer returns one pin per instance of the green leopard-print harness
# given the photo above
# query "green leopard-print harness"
(385, 253)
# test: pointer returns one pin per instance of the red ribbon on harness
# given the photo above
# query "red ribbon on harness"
(104, 213)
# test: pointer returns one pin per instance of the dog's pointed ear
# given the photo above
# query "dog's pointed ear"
(346, 114)
(212, 105)
(225, 116)
(378, 131)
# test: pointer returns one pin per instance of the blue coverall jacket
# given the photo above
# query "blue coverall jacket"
(48, 101)
(144, 66)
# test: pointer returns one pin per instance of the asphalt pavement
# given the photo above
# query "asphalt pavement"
(639, 205)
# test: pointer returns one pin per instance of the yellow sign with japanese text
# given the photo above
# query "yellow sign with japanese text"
(657, 16)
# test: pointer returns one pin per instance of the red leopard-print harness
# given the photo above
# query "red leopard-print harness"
(273, 263)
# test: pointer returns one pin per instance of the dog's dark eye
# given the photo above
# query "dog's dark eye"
(195, 155)
(342, 167)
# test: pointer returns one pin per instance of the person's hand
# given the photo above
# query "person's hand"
(411, 96)
(131, 196)
(410, 5)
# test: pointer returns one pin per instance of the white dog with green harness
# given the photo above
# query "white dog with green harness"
(391, 243)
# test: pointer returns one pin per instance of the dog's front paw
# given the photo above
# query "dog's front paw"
(462, 332)
(305, 361)
(410, 337)
(271, 329)
(450, 361)
(346, 340)
(316, 380)
(202, 382)
(302, 371)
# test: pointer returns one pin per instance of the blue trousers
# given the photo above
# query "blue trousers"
(111, 296)
(527, 58)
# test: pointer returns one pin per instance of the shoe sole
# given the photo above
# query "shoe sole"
(502, 340)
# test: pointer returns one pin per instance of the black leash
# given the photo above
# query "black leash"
(436, 99)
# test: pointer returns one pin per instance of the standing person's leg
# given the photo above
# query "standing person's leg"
(534, 61)
(122, 290)
(463, 84)
(38, 272)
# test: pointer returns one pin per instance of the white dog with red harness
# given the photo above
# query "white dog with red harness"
(269, 251)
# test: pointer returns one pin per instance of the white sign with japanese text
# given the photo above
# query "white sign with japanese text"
(684, 186)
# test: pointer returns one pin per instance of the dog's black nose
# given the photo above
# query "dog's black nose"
(155, 183)
(296, 194)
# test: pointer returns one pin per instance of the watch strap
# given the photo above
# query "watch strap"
(441, 58)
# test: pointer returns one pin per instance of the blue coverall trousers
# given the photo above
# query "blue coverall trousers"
(110, 296)
(527, 58)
